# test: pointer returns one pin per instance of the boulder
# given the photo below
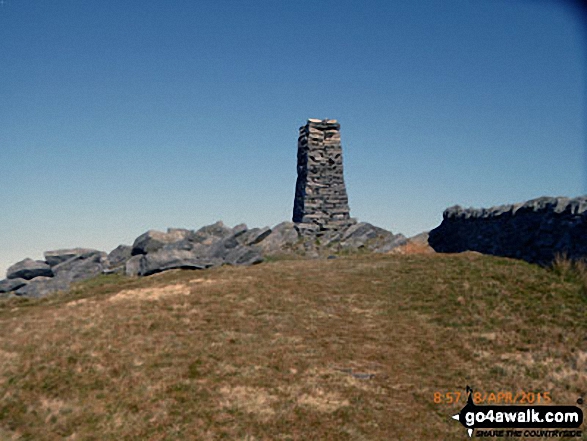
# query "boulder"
(359, 234)
(280, 237)
(221, 248)
(8, 285)
(420, 239)
(179, 232)
(29, 269)
(244, 255)
(388, 243)
(41, 286)
(239, 229)
(211, 233)
(254, 236)
(166, 259)
(81, 267)
(154, 240)
(58, 256)
(132, 267)
(118, 256)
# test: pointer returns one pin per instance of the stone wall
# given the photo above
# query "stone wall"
(321, 202)
(534, 231)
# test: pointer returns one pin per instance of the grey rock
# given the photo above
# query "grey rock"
(132, 267)
(179, 232)
(281, 236)
(244, 255)
(239, 229)
(359, 234)
(118, 256)
(368, 236)
(221, 248)
(421, 238)
(81, 267)
(167, 259)
(8, 285)
(29, 269)
(535, 231)
(388, 243)
(254, 236)
(154, 240)
(42, 286)
(121, 269)
(211, 233)
(56, 257)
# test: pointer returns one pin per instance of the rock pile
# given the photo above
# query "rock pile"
(210, 246)
(534, 231)
(35, 278)
(321, 202)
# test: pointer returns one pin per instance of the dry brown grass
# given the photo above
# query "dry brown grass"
(413, 248)
(346, 349)
(572, 270)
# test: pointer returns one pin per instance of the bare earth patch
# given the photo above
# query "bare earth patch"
(151, 293)
(323, 401)
(248, 399)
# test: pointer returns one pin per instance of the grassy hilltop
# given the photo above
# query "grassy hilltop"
(346, 349)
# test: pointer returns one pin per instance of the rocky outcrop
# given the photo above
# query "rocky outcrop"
(59, 256)
(29, 269)
(81, 267)
(365, 235)
(8, 285)
(211, 233)
(32, 278)
(42, 286)
(132, 267)
(535, 231)
(167, 259)
(253, 236)
(154, 240)
(117, 258)
(280, 238)
(210, 246)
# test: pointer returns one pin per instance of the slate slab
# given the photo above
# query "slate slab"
(280, 237)
(154, 240)
(8, 285)
(167, 259)
(56, 257)
(42, 286)
(118, 256)
(81, 267)
(29, 269)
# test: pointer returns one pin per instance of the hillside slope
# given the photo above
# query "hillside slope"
(351, 348)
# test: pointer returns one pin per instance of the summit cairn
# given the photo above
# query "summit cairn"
(321, 202)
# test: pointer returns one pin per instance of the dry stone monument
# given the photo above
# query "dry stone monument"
(321, 202)
(321, 226)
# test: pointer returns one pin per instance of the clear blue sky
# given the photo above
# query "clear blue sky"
(121, 116)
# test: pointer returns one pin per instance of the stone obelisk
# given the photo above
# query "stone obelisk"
(321, 202)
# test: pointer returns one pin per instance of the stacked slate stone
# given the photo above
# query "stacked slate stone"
(535, 231)
(321, 202)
